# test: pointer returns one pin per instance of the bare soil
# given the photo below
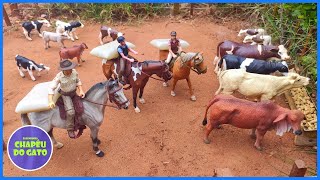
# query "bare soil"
(165, 139)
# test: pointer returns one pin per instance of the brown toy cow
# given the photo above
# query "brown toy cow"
(262, 116)
(108, 32)
(75, 51)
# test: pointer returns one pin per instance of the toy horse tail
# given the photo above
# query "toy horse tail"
(25, 119)
(204, 122)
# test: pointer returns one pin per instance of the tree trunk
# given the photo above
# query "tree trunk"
(191, 9)
(176, 9)
(6, 17)
(13, 7)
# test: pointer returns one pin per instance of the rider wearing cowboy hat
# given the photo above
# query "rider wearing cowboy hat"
(123, 51)
(69, 82)
(174, 47)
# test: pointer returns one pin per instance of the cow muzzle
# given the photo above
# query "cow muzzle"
(298, 132)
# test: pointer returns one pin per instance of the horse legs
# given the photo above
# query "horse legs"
(142, 101)
(173, 87)
(96, 141)
(134, 95)
(193, 97)
(56, 144)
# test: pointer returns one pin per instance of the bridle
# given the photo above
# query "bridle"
(111, 99)
(196, 64)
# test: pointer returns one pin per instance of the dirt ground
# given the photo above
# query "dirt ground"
(165, 139)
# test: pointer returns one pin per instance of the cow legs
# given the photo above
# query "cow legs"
(21, 72)
(26, 34)
(193, 97)
(173, 87)
(74, 35)
(209, 128)
(39, 33)
(260, 134)
(96, 141)
(31, 74)
(253, 133)
(56, 144)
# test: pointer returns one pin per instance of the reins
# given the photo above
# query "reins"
(191, 68)
(152, 77)
(113, 106)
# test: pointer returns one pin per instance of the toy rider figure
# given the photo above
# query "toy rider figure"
(69, 82)
(123, 51)
(174, 47)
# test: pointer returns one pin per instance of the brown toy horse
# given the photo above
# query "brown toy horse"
(137, 74)
(181, 70)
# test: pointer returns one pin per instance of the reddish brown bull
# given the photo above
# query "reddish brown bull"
(262, 116)
(72, 52)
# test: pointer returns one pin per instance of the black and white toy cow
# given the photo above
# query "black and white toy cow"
(25, 64)
(68, 28)
(252, 65)
(27, 27)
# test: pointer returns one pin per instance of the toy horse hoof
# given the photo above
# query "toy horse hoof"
(173, 94)
(83, 60)
(193, 98)
(142, 101)
(98, 142)
(100, 153)
(207, 141)
(137, 110)
(165, 84)
(58, 145)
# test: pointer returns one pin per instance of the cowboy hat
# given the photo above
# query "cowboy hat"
(66, 65)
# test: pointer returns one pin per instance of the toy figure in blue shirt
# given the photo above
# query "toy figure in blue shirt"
(123, 51)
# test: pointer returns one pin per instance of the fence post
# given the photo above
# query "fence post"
(6, 17)
(191, 8)
(298, 169)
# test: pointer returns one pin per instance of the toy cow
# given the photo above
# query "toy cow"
(262, 116)
(258, 39)
(252, 65)
(251, 32)
(27, 27)
(250, 51)
(108, 32)
(262, 87)
(29, 65)
(69, 28)
(55, 37)
(72, 52)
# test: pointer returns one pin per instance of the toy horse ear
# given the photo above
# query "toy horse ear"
(111, 79)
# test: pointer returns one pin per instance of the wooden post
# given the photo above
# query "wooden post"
(298, 169)
(6, 17)
(13, 7)
(176, 9)
(191, 9)
(163, 54)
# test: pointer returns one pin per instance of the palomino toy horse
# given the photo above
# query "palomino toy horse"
(181, 70)
(137, 74)
(94, 104)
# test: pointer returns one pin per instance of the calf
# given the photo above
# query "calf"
(29, 65)
(245, 114)
(75, 51)
(258, 39)
(250, 51)
(262, 87)
(251, 65)
(68, 28)
(108, 32)
(55, 37)
(251, 32)
(27, 27)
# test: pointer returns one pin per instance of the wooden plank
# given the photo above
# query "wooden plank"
(298, 169)
(6, 17)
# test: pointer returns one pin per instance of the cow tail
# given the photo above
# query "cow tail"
(205, 121)
(218, 49)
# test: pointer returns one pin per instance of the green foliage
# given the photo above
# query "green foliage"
(107, 12)
(295, 26)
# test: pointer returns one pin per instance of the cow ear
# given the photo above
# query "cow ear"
(294, 76)
(274, 50)
(280, 118)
